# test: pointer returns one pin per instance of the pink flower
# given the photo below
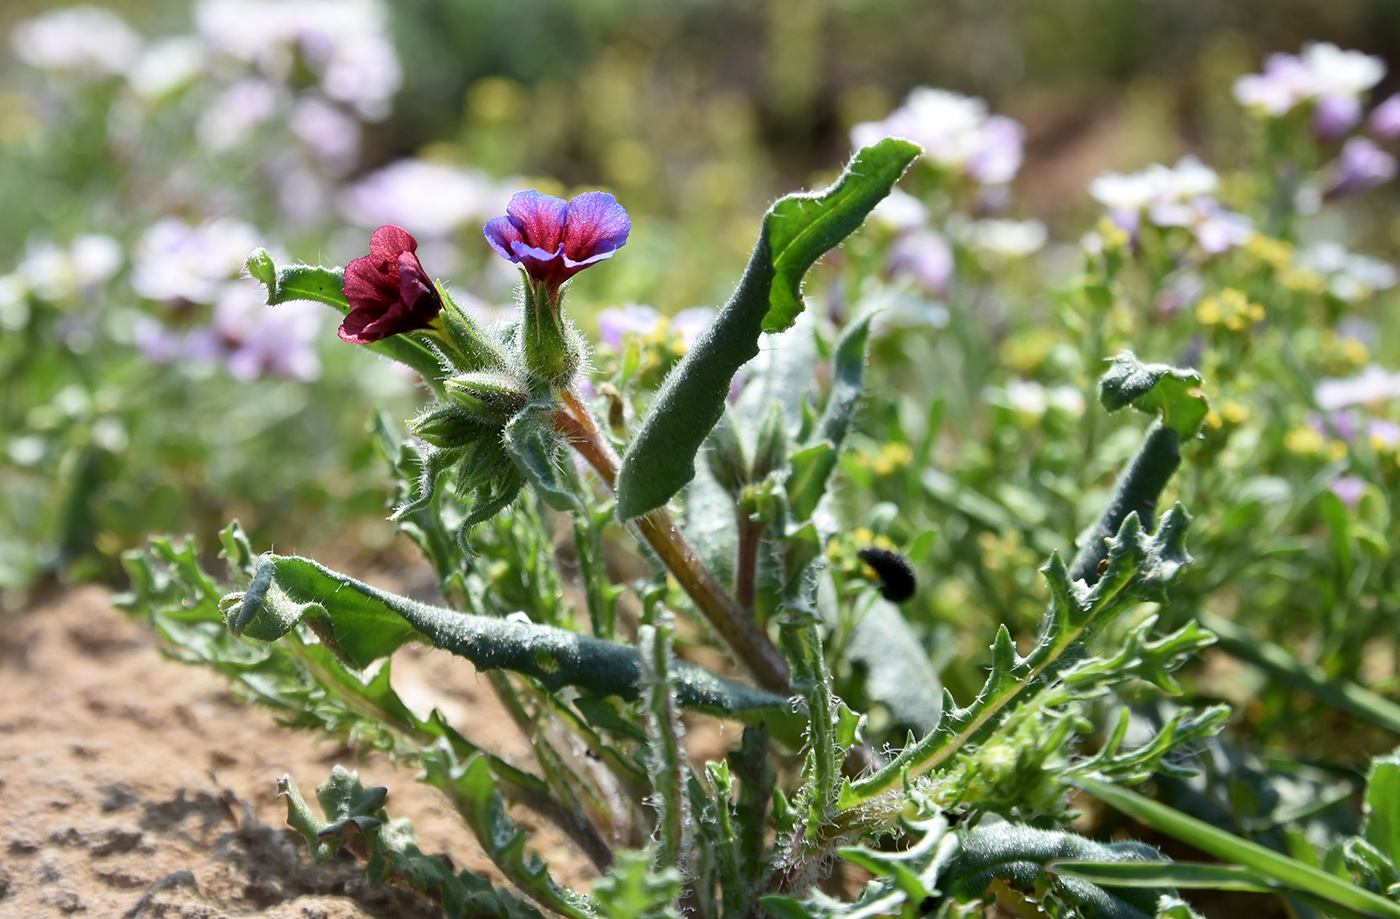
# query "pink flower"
(554, 239)
(388, 290)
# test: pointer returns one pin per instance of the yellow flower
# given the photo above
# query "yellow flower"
(1233, 412)
(1276, 253)
(1304, 440)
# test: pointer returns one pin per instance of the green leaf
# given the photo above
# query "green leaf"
(801, 228)
(796, 231)
(899, 674)
(363, 624)
(1136, 492)
(1018, 854)
(1383, 806)
(472, 789)
(1139, 567)
(809, 470)
(534, 450)
(1285, 871)
(634, 890)
(1173, 391)
(1189, 875)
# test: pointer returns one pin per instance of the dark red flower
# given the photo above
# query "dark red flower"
(388, 290)
(552, 239)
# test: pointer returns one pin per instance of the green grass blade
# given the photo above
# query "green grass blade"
(1286, 871)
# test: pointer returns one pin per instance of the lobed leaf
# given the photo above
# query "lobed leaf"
(1151, 388)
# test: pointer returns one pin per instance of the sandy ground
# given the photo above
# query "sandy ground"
(135, 786)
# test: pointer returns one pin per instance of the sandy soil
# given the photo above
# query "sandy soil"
(135, 786)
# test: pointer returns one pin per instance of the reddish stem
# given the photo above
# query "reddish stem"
(733, 623)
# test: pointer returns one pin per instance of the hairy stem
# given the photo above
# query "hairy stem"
(746, 564)
(744, 638)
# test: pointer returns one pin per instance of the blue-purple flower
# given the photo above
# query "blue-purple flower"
(554, 239)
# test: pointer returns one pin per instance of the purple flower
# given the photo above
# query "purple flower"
(1385, 119)
(1216, 228)
(1375, 384)
(553, 239)
(926, 256)
(1386, 432)
(388, 290)
(1285, 82)
(1360, 167)
(691, 323)
(1349, 488)
(616, 322)
(1333, 116)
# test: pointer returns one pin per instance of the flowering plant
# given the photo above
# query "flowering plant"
(775, 508)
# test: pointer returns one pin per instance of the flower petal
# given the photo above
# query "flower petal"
(539, 218)
(596, 224)
(503, 235)
(388, 241)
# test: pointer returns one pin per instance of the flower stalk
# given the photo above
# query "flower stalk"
(753, 648)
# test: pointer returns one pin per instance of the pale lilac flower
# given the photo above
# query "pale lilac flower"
(1360, 167)
(156, 341)
(999, 152)
(1324, 74)
(235, 114)
(692, 323)
(1350, 488)
(86, 40)
(1386, 432)
(1335, 72)
(432, 198)
(252, 340)
(173, 260)
(1384, 120)
(955, 131)
(1334, 116)
(1181, 290)
(1342, 424)
(166, 66)
(925, 256)
(1126, 196)
(53, 272)
(1285, 83)
(617, 322)
(332, 136)
(1375, 384)
(1216, 228)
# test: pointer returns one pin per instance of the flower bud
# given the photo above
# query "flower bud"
(491, 397)
(725, 456)
(448, 425)
(770, 452)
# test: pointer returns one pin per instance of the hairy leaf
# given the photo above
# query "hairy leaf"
(796, 231)
(1151, 388)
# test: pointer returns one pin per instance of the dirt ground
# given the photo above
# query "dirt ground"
(135, 786)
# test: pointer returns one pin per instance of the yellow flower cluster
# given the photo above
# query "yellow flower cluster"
(1230, 308)
(892, 456)
(1306, 440)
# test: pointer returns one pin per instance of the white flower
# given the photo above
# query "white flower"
(237, 112)
(428, 198)
(1157, 184)
(346, 43)
(331, 135)
(173, 260)
(87, 40)
(1335, 72)
(1014, 238)
(955, 131)
(166, 66)
(1350, 277)
(900, 210)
